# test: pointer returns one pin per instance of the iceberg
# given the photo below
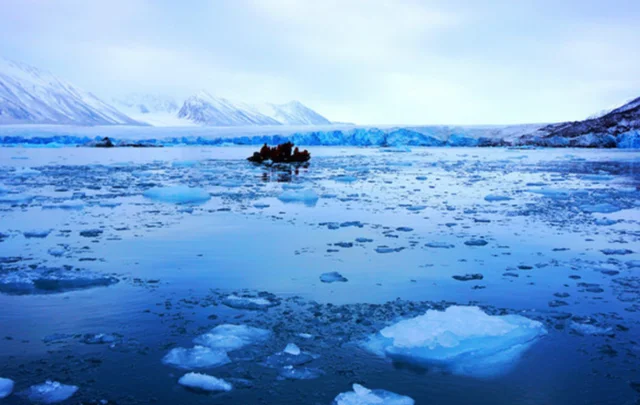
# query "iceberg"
(462, 339)
(204, 382)
(6, 387)
(50, 392)
(51, 280)
(364, 396)
(178, 194)
(196, 357)
(231, 337)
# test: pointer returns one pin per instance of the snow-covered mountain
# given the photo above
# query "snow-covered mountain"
(206, 109)
(152, 109)
(32, 96)
(293, 113)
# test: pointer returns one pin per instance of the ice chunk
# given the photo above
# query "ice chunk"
(462, 339)
(292, 186)
(178, 194)
(306, 196)
(184, 163)
(204, 382)
(439, 245)
(605, 221)
(494, 197)
(6, 387)
(365, 396)
(604, 208)
(65, 205)
(98, 339)
(333, 277)
(476, 242)
(196, 357)
(36, 233)
(251, 303)
(292, 349)
(50, 392)
(300, 373)
(50, 280)
(345, 179)
(610, 252)
(588, 329)
(231, 337)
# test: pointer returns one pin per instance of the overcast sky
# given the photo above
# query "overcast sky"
(364, 61)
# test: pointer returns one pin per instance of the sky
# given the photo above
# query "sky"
(408, 62)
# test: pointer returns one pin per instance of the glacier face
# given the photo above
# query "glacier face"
(30, 95)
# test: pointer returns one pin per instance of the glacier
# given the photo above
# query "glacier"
(464, 340)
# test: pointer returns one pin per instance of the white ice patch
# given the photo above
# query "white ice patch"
(231, 337)
(6, 387)
(196, 357)
(306, 196)
(604, 208)
(51, 280)
(496, 198)
(364, 396)
(462, 339)
(237, 302)
(587, 329)
(204, 382)
(292, 349)
(50, 392)
(178, 194)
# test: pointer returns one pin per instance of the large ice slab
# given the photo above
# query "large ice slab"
(305, 196)
(461, 339)
(51, 280)
(6, 387)
(178, 194)
(232, 337)
(204, 382)
(196, 357)
(50, 392)
(364, 396)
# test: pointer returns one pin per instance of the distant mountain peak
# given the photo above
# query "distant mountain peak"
(29, 95)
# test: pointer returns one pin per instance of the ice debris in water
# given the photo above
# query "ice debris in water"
(50, 392)
(439, 245)
(306, 196)
(65, 205)
(204, 382)
(36, 233)
(604, 208)
(476, 242)
(345, 179)
(364, 396)
(6, 387)
(196, 357)
(178, 194)
(494, 197)
(588, 329)
(290, 356)
(48, 280)
(300, 373)
(605, 221)
(292, 349)
(231, 337)
(462, 339)
(237, 302)
(333, 277)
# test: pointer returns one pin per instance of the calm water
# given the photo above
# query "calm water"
(376, 215)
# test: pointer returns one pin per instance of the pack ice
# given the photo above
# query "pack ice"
(178, 194)
(364, 396)
(462, 339)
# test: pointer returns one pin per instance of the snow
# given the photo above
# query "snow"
(178, 194)
(232, 337)
(364, 396)
(306, 196)
(6, 387)
(204, 382)
(463, 339)
(196, 357)
(50, 392)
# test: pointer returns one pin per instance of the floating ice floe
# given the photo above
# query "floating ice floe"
(306, 196)
(333, 277)
(6, 387)
(232, 337)
(184, 163)
(496, 198)
(50, 392)
(292, 186)
(605, 221)
(290, 356)
(251, 303)
(37, 233)
(51, 280)
(98, 339)
(300, 373)
(604, 208)
(557, 193)
(16, 199)
(196, 357)
(588, 329)
(345, 179)
(204, 382)
(461, 339)
(439, 245)
(178, 194)
(476, 242)
(610, 252)
(65, 205)
(364, 396)
(26, 171)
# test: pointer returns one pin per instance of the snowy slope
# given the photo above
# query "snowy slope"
(29, 96)
(293, 113)
(206, 109)
(152, 109)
